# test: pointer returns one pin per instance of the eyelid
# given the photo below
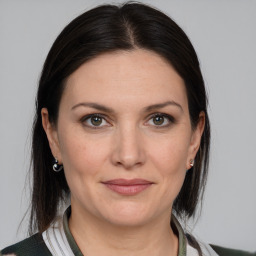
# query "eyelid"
(170, 118)
(86, 117)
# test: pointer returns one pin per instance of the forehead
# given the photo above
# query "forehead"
(139, 76)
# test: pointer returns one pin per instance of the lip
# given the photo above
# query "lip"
(128, 187)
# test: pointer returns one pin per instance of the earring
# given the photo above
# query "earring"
(56, 166)
(191, 162)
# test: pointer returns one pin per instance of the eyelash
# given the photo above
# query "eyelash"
(170, 119)
(87, 117)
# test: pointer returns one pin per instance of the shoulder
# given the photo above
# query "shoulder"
(231, 252)
(215, 250)
(212, 250)
(31, 246)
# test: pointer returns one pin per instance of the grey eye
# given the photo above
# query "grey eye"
(96, 120)
(158, 120)
(161, 120)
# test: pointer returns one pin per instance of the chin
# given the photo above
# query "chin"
(128, 214)
(128, 221)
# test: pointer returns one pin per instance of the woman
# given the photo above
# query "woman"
(121, 129)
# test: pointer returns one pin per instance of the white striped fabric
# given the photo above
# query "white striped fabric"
(191, 251)
(56, 241)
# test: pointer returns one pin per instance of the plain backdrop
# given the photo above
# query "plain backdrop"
(224, 35)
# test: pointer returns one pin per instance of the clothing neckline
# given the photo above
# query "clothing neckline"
(77, 252)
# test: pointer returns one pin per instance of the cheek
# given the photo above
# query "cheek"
(82, 155)
(83, 160)
(170, 154)
(169, 160)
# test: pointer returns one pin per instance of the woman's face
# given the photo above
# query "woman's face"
(124, 137)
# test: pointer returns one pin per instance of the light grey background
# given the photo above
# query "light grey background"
(224, 35)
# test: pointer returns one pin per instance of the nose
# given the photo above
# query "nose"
(129, 149)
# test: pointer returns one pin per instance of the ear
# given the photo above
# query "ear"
(52, 136)
(196, 139)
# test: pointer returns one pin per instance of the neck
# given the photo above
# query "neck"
(96, 237)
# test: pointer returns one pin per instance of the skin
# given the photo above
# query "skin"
(129, 143)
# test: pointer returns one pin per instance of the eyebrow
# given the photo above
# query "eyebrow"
(94, 105)
(110, 110)
(162, 105)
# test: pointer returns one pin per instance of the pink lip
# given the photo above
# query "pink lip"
(128, 187)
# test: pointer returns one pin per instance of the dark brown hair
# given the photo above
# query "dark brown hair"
(109, 28)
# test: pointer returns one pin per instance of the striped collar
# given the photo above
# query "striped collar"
(70, 238)
(61, 242)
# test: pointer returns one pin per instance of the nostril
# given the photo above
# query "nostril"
(129, 163)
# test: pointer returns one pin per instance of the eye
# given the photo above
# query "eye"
(94, 121)
(161, 120)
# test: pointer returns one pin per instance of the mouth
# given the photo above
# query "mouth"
(128, 187)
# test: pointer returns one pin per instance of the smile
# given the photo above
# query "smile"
(127, 187)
